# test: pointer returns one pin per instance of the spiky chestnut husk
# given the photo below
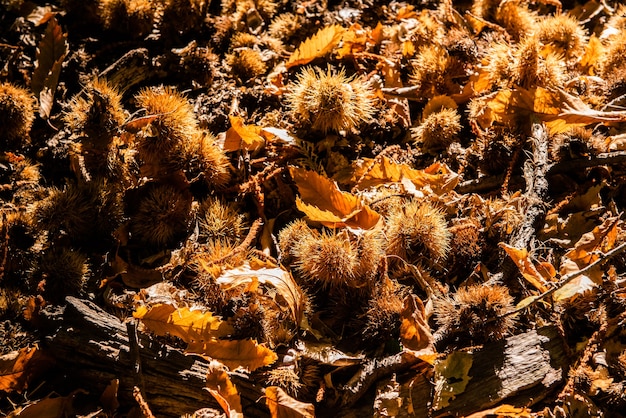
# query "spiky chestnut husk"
(17, 228)
(290, 236)
(129, 17)
(531, 69)
(516, 17)
(19, 180)
(466, 248)
(87, 213)
(438, 130)
(246, 63)
(248, 319)
(218, 220)
(495, 149)
(16, 116)
(286, 378)
(61, 272)
(474, 313)
(182, 17)
(330, 101)
(564, 33)
(433, 71)
(330, 259)
(202, 156)
(417, 230)
(576, 143)
(97, 114)
(383, 314)
(161, 217)
(173, 125)
(284, 26)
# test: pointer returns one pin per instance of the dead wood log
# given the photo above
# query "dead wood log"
(93, 348)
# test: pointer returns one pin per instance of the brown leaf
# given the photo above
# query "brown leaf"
(529, 270)
(282, 405)
(353, 40)
(57, 407)
(218, 383)
(19, 367)
(192, 326)
(108, 399)
(235, 353)
(240, 136)
(322, 201)
(50, 55)
(586, 250)
(414, 330)
(318, 45)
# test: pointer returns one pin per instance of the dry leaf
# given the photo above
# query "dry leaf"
(282, 405)
(322, 201)
(318, 45)
(240, 136)
(353, 40)
(218, 383)
(277, 277)
(19, 367)
(235, 353)
(537, 275)
(451, 378)
(50, 55)
(189, 325)
(414, 330)
(108, 399)
(58, 407)
(504, 411)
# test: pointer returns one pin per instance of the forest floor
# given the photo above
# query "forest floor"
(320, 208)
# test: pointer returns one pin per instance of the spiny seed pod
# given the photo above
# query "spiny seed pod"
(612, 61)
(98, 114)
(433, 71)
(516, 18)
(20, 236)
(383, 314)
(564, 33)
(202, 156)
(248, 320)
(20, 178)
(286, 378)
(16, 116)
(330, 259)
(247, 63)
(130, 17)
(243, 40)
(476, 313)
(174, 124)
(284, 26)
(577, 143)
(438, 130)
(220, 221)
(496, 150)
(61, 272)
(161, 218)
(329, 101)
(418, 230)
(531, 69)
(290, 236)
(466, 248)
(370, 253)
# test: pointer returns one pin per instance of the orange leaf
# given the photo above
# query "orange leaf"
(235, 353)
(241, 136)
(353, 40)
(18, 368)
(586, 250)
(592, 56)
(282, 405)
(322, 201)
(316, 46)
(189, 325)
(218, 383)
(50, 55)
(528, 269)
(414, 330)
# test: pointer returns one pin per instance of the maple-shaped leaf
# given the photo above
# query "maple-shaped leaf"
(322, 201)
(189, 325)
(219, 385)
(536, 274)
(318, 45)
(414, 330)
(281, 405)
(270, 275)
(240, 136)
(247, 354)
(51, 52)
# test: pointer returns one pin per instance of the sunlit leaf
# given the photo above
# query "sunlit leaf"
(504, 411)
(247, 354)
(322, 201)
(282, 405)
(189, 325)
(353, 40)
(451, 378)
(318, 45)
(240, 136)
(415, 333)
(218, 383)
(531, 272)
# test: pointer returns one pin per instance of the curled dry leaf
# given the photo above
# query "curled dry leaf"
(218, 383)
(19, 367)
(316, 46)
(415, 333)
(282, 405)
(240, 136)
(536, 274)
(247, 354)
(322, 201)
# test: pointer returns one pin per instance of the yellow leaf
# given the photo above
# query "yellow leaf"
(318, 45)
(528, 269)
(353, 40)
(189, 325)
(241, 136)
(235, 353)
(592, 56)
(504, 411)
(414, 330)
(322, 201)
(282, 405)
(586, 250)
(279, 278)
(218, 383)
(451, 378)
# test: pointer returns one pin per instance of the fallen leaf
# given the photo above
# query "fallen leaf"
(414, 330)
(240, 136)
(318, 45)
(57, 407)
(18, 368)
(282, 405)
(353, 40)
(322, 201)
(247, 354)
(504, 411)
(108, 399)
(192, 326)
(218, 383)
(536, 274)
(451, 378)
